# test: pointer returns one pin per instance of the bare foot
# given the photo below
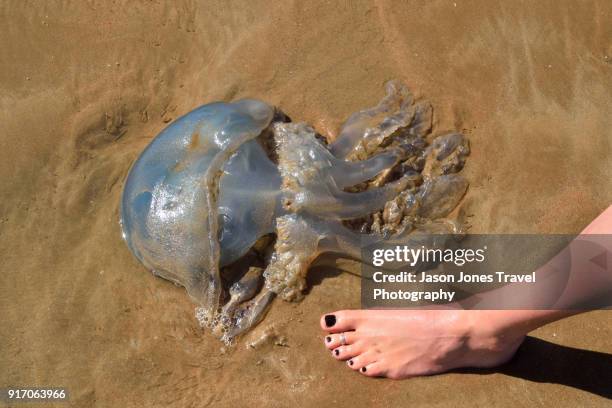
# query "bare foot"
(405, 343)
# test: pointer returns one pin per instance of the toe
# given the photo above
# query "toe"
(361, 361)
(335, 340)
(346, 352)
(340, 321)
(375, 369)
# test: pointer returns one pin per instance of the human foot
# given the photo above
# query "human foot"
(405, 343)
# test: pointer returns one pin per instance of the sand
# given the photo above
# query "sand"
(84, 86)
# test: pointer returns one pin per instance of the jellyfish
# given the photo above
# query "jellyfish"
(234, 202)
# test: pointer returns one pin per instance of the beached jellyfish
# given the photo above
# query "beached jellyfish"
(234, 203)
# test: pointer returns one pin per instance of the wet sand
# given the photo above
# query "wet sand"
(84, 86)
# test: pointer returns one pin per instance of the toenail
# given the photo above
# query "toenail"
(328, 339)
(337, 352)
(350, 362)
(363, 369)
(330, 320)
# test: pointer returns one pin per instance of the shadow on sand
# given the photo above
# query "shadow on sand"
(545, 362)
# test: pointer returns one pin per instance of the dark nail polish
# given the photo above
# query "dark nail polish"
(363, 369)
(328, 339)
(350, 362)
(337, 352)
(330, 320)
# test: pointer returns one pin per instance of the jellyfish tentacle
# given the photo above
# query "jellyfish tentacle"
(305, 166)
(342, 240)
(248, 314)
(392, 113)
(438, 196)
(342, 205)
(447, 154)
(346, 174)
(295, 249)
(243, 290)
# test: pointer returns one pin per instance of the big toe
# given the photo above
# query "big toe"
(340, 321)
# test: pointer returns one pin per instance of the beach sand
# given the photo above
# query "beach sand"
(85, 85)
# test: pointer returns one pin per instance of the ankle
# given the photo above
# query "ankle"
(493, 330)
